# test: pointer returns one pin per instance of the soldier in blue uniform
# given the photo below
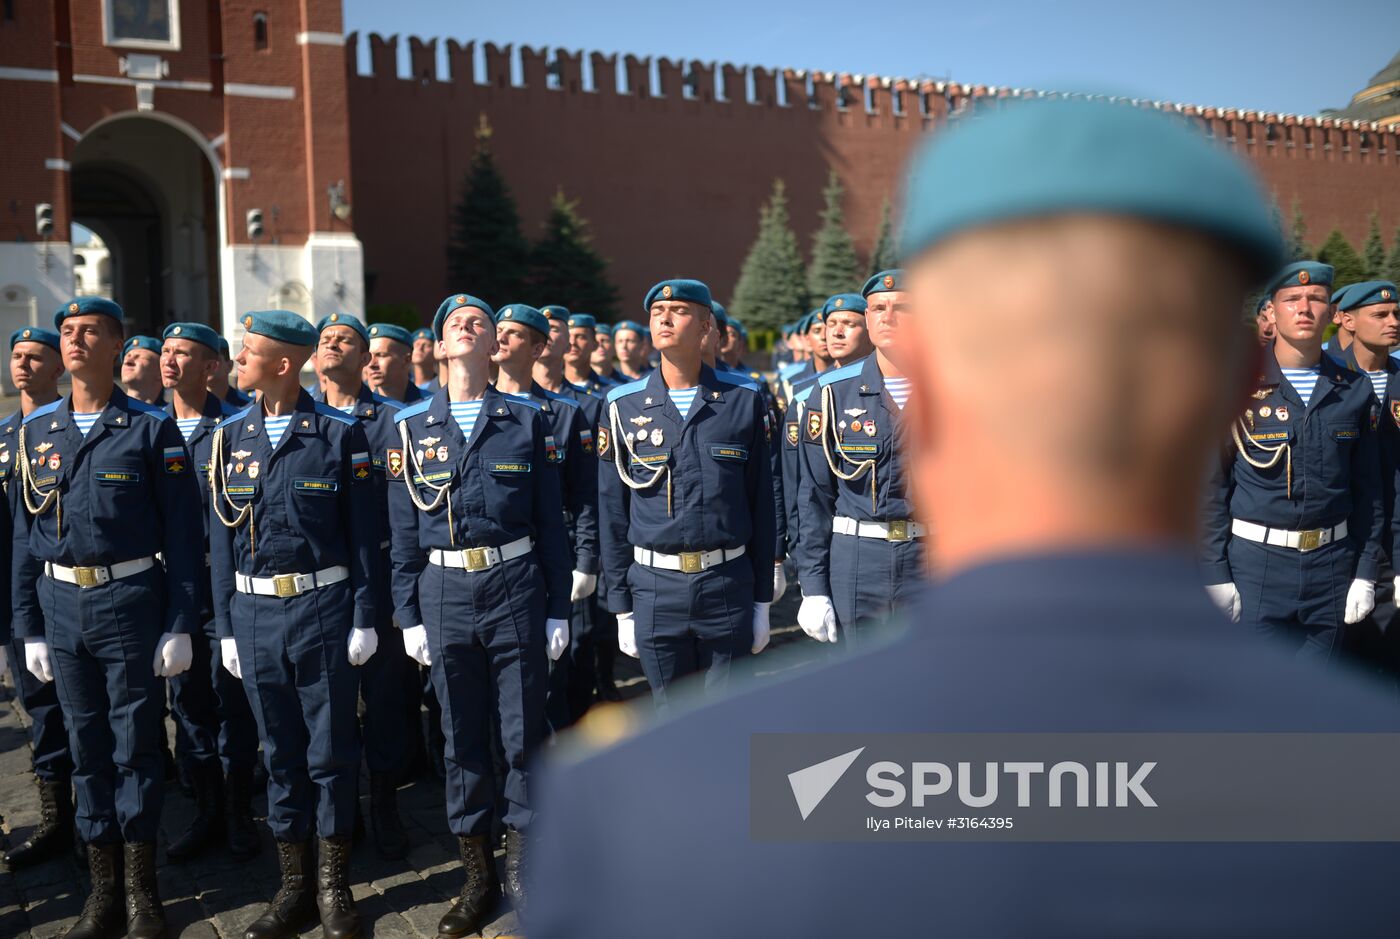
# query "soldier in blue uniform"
(603, 357)
(578, 358)
(104, 486)
(209, 703)
(799, 388)
(685, 505)
(847, 334)
(522, 332)
(219, 384)
(1264, 319)
(1071, 600)
(424, 360)
(481, 588)
(293, 528)
(860, 554)
(141, 370)
(630, 344)
(35, 368)
(389, 370)
(342, 351)
(1294, 515)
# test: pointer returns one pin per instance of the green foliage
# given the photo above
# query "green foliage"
(772, 287)
(401, 314)
(1392, 263)
(487, 256)
(883, 258)
(1339, 253)
(565, 269)
(1298, 249)
(1373, 253)
(835, 267)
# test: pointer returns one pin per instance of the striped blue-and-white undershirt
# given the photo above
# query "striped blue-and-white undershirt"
(187, 426)
(1378, 383)
(276, 426)
(465, 414)
(1303, 381)
(85, 421)
(683, 398)
(898, 389)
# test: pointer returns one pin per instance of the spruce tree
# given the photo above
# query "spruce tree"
(564, 267)
(1373, 254)
(1392, 264)
(883, 258)
(772, 287)
(487, 256)
(835, 267)
(1298, 249)
(1339, 253)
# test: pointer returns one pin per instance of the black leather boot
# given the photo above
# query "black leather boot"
(241, 830)
(145, 918)
(54, 835)
(390, 840)
(102, 912)
(479, 893)
(515, 869)
(339, 918)
(207, 826)
(294, 903)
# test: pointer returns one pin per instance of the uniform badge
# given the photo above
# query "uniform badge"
(551, 452)
(43, 447)
(174, 460)
(657, 437)
(792, 433)
(814, 425)
(1282, 413)
(4, 456)
(394, 461)
(1303, 277)
(55, 461)
(241, 454)
(1395, 412)
(238, 467)
(870, 428)
(418, 455)
(853, 412)
(666, 291)
(1265, 411)
(889, 281)
(1249, 418)
(1262, 393)
(585, 439)
(603, 441)
(430, 454)
(359, 465)
(429, 441)
(641, 436)
(857, 427)
(254, 469)
(639, 420)
(442, 454)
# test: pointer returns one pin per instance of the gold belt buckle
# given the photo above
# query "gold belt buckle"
(692, 562)
(285, 585)
(898, 530)
(475, 559)
(86, 576)
(1309, 540)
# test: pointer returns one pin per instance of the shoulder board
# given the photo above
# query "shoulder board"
(523, 402)
(42, 410)
(839, 374)
(632, 387)
(562, 399)
(227, 410)
(803, 395)
(737, 380)
(335, 414)
(384, 402)
(791, 369)
(12, 420)
(141, 407)
(409, 410)
(236, 416)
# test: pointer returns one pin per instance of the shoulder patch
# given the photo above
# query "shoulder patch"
(335, 414)
(839, 374)
(41, 411)
(417, 407)
(802, 396)
(632, 387)
(736, 380)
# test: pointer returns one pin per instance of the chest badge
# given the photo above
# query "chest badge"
(854, 412)
(53, 426)
(1262, 393)
(430, 453)
(254, 469)
(870, 428)
(4, 456)
(656, 437)
(44, 447)
(241, 454)
(1281, 413)
(442, 454)
(1265, 411)
(640, 420)
(55, 461)
(429, 441)
(857, 427)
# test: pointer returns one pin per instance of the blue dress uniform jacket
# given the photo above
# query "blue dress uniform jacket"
(850, 421)
(1387, 426)
(794, 418)
(772, 416)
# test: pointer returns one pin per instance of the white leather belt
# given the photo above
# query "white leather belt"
(687, 562)
(480, 559)
(899, 529)
(290, 585)
(99, 575)
(1304, 541)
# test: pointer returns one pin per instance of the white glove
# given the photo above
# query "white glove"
(584, 585)
(36, 659)
(779, 582)
(1361, 600)
(173, 655)
(558, 632)
(362, 645)
(228, 652)
(1227, 598)
(627, 634)
(760, 626)
(415, 644)
(817, 618)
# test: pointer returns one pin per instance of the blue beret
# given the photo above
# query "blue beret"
(1042, 158)
(525, 316)
(604, 329)
(804, 325)
(223, 348)
(720, 314)
(892, 279)
(395, 332)
(34, 334)
(423, 333)
(452, 303)
(555, 312)
(194, 332)
(82, 306)
(149, 343)
(1368, 293)
(1264, 301)
(1300, 274)
(739, 327)
(691, 290)
(281, 325)
(852, 302)
(582, 321)
(626, 325)
(344, 319)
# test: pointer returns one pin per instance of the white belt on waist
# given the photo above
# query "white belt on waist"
(480, 559)
(99, 575)
(1304, 541)
(899, 529)
(687, 562)
(290, 585)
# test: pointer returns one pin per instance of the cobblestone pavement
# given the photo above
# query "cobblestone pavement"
(215, 896)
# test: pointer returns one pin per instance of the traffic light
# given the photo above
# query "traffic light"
(43, 219)
(255, 224)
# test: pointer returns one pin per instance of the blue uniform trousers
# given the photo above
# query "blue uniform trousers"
(687, 623)
(102, 645)
(870, 578)
(572, 677)
(302, 689)
(212, 709)
(384, 686)
(47, 735)
(486, 639)
(1296, 597)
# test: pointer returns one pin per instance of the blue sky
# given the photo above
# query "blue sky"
(1285, 56)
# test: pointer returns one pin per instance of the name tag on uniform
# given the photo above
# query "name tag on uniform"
(650, 459)
(46, 480)
(499, 467)
(117, 476)
(322, 486)
(433, 477)
(1276, 435)
(860, 447)
(233, 490)
(1348, 432)
(723, 452)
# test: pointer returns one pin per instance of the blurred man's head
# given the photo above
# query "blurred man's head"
(1077, 348)
(36, 363)
(1264, 319)
(189, 358)
(630, 344)
(390, 359)
(847, 339)
(141, 368)
(558, 346)
(603, 355)
(583, 342)
(1371, 312)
